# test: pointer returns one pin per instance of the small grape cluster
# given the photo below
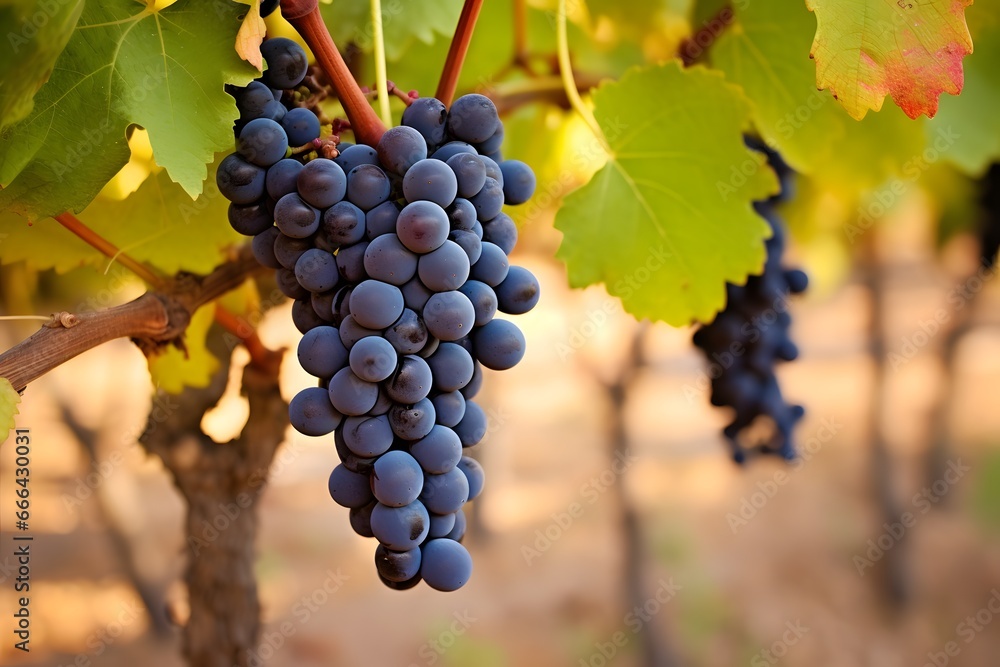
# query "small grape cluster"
(751, 335)
(396, 259)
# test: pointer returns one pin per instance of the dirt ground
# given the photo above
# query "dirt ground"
(755, 566)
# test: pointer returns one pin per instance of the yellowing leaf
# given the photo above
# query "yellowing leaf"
(910, 49)
(8, 408)
(668, 221)
(172, 370)
(250, 36)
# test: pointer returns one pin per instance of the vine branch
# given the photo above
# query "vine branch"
(456, 52)
(108, 249)
(155, 319)
(566, 70)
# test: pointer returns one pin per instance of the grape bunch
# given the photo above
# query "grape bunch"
(396, 259)
(751, 335)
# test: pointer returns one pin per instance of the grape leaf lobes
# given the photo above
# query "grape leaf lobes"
(396, 259)
(750, 336)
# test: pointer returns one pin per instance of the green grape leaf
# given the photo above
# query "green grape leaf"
(910, 50)
(766, 51)
(158, 223)
(668, 221)
(403, 23)
(37, 32)
(174, 369)
(9, 399)
(126, 64)
(973, 113)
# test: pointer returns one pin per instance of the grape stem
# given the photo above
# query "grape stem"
(569, 84)
(261, 356)
(456, 52)
(308, 22)
(381, 84)
(108, 249)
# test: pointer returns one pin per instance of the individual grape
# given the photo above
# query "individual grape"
(263, 248)
(488, 201)
(408, 334)
(321, 352)
(373, 359)
(351, 332)
(367, 186)
(470, 390)
(397, 566)
(316, 270)
(450, 408)
(412, 422)
(350, 394)
(295, 217)
(473, 118)
(429, 348)
(492, 168)
(502, 232)
(518, 182)
(483, 298)
(798, 281)
(402, 585)
(383, 404)
(274, 110)
(415, 294)
(352, 156)
(427, 116)
(462, 215)
(449, 315)
(267, 7)
(445, 493)
(444, 269)
(492, 267)
(519, 291)
(357, 464)
(472, 429)
(368, 436)
(349, 489)
(381, 220)
(411, 382)
(322, 183)
(351, 262)
(499, 345)
(422, 226)
(397, 479)
(250, 219)
(388, 260)
(400, 148)
(376, 305)
(281, 177)
(361, 519)
(304, 317)
(401, 528)
(262, 142)
(240, 181)
(311, 413)
(441, 525)
(469, 242)
(445, 565)
(287, 249)
(470, 173)
(477, 229)
(252, 99)
(289, 285)
(451, 149)
(452, 367)
(430, 180)
(492, 145)
(342, 305)
(439, 451)
(458, 532)
(286, 63)
(301, 125)
(474, 474)
(342, 224)
(322, 304)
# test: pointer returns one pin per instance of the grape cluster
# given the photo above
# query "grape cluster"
(751, 335)
(396, 259)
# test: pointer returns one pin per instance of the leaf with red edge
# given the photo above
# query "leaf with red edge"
(909, 49)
